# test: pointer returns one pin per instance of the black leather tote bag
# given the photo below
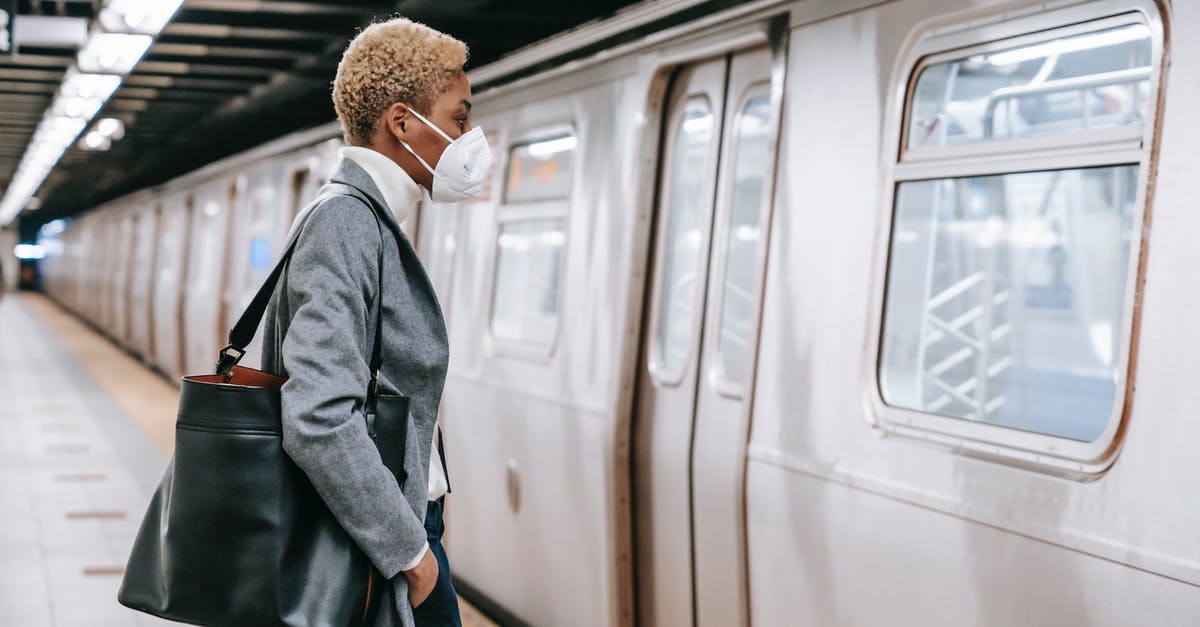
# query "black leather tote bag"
(235, 533)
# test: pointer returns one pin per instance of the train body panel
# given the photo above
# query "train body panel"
(749, 406)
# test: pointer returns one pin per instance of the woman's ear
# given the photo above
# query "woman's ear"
(396, 118)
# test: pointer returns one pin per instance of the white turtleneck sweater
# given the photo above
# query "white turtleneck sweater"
(401, 194)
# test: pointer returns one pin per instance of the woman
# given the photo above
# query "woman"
(404, 105)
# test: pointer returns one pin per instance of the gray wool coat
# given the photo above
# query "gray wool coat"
(319, 333)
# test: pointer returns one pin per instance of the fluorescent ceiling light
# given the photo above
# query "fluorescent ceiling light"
(126, 31)
(54, 134)
(53, 227)
(111, 127)
(112, 53)
(553, 146)
(29, 251)
(95, 140)
(138, 16)
(1124, 34)
(98, 86)
(61, 127)
(76, 107)
(697, 123)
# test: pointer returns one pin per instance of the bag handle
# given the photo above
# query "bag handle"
(247, 325)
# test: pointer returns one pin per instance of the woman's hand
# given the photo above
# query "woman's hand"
(422, 579)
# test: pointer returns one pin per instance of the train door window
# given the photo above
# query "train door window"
(750, 169)
(1015, 236)
(685, 185)
(530, 239)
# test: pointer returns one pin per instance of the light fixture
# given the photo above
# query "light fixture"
(1111, 37)
(53, 227)
(29, 251)
(95, 140)
(112, 53)
(81, 85)
(76, 107)
(552, 146)
(696, 123)
(126, 31)
(112, 128)
(138, 16)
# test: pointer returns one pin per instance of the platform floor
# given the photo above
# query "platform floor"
(85, 433)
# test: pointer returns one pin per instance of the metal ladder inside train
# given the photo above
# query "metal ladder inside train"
(966, 337)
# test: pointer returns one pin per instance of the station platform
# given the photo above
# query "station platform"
(86, 431)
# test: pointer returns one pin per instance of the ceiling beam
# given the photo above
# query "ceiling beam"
(224, 31)
(278, 6)
(239, 52)
(182, 68)
(25, 87)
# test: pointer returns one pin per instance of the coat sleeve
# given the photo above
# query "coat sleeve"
(332, 281)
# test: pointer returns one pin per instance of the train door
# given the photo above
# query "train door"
(692, 424)
(123, 231)
(141, 292)
(206, 269)
(260, 220)
(170, 276)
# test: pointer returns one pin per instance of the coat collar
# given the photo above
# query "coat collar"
(401, 192)
(350, 173)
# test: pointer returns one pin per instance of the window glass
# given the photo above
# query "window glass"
(541, 170)
(1005, 298)
(686, 180)
(1091, 80)
(749, 177)
(525, 297)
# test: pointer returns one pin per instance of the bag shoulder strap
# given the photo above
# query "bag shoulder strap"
(247, 325)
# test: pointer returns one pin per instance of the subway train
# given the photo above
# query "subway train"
(821, 312)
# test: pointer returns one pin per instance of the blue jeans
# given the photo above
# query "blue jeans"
(441, 608)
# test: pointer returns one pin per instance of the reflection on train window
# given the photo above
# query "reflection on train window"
(681, 255)
(530, 239)
(525, 299)
(749, 178)
(1006, 296)
(541, 170)
(1072, 83)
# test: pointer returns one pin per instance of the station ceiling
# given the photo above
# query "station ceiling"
(225, 75)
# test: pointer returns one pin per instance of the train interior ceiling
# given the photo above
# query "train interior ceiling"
(775, 312)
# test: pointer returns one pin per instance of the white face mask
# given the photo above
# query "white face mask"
(463, 168)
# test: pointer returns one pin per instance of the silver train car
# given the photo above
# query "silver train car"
(822, 312)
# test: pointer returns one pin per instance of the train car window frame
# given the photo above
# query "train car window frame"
(1113, 147)
(511, 212)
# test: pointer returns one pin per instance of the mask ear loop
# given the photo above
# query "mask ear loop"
(435, 129)
(414, 153)
(430, 125)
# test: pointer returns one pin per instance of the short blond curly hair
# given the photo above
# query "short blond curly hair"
(388, 62)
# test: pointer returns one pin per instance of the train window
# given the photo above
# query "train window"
(1009, 292)
(749, 180)
(1006, 297)
(525, 305)
(681, 258)
(541, 170)
(530, 240)
(1069, 83)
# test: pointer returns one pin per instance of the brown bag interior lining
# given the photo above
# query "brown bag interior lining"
(241, 375)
